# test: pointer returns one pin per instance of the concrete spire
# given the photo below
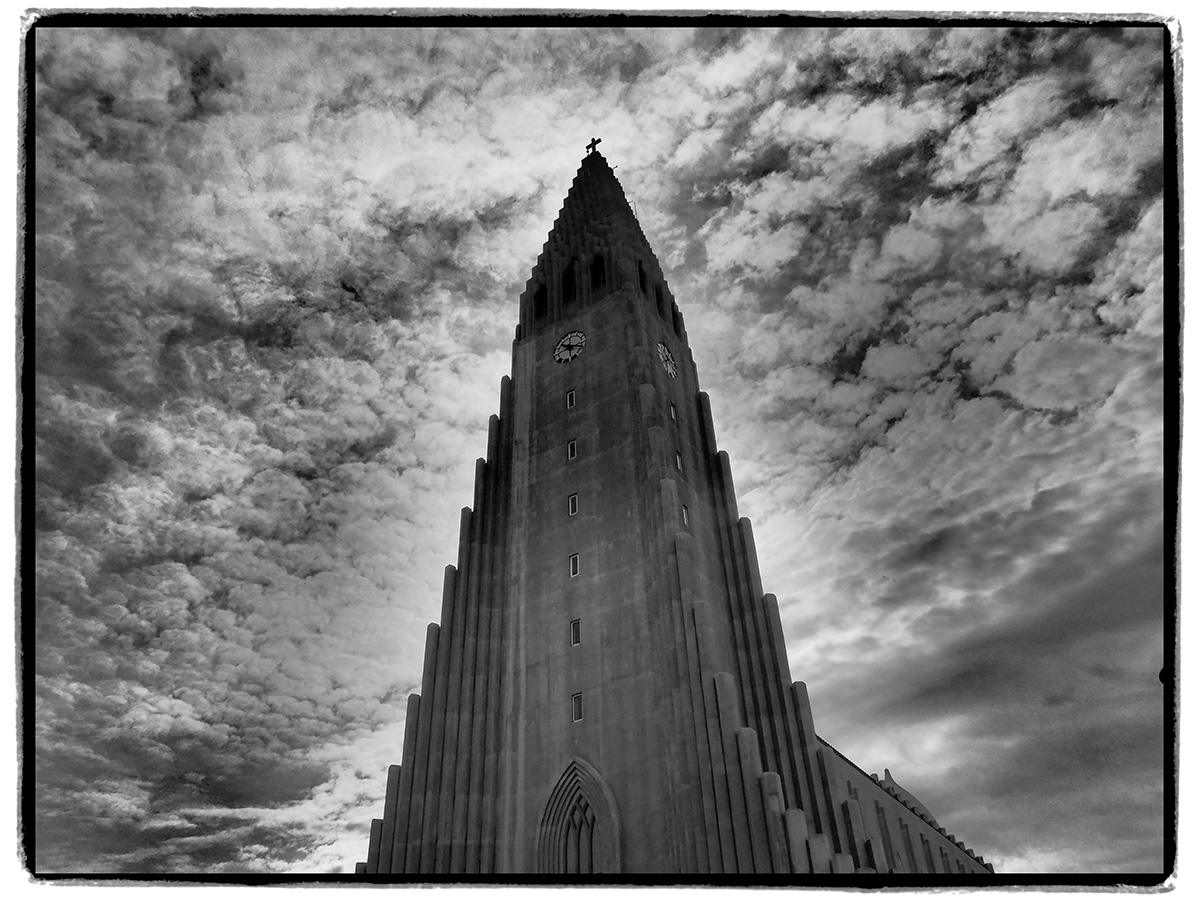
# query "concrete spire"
(608, 690)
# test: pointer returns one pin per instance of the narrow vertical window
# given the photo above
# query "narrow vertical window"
(577, 707)
(539, 302)
(677, 321)
(672, 411)
(568, 282)
(597, 270)
(685, 516)
(679, 462)
(572, 451)
(658, 301)
(572, 504)
(574, 632)
(570, 399)
(641, 277)
(574, 564)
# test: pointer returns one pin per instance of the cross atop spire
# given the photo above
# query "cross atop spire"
(591, 148)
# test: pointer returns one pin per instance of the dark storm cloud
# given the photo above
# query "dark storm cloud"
(923, 273)
(1064, 612)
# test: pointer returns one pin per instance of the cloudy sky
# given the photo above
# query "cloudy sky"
(276, 285)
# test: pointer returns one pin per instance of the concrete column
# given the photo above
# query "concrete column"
(707, 429)
(458, 777)
(796, 830)
(404, 794)
(910, 856)
(721, 798)
(502, 524)
(726, 697)
(446, 687)
(373, 847)
(820, 851)
(456, 680)
(734, 587)
(388, 831)
(761, 716)
(794, 761)
(835, 827)
(773, 809)
(482, 654)
(696, 633)
(772, 728)
(889, 858)
(431, 808)
(416, 812)
(843, 864)
(705, 827)
(856, 836)
(808, 747)
(927, 853)
(750, 762)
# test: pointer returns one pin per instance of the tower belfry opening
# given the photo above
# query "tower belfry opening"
(672, 739)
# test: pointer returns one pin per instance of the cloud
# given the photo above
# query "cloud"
(1063, 373)
(1131, 277)
(743, 242)
(1095, 157)
(1050, 241)
(893, 364)
(987, 139)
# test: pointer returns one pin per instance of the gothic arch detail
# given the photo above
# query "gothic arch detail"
(579, 833)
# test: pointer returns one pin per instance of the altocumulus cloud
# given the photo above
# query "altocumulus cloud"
(275, 283)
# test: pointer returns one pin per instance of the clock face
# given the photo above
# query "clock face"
(569, 346)
(668, 360)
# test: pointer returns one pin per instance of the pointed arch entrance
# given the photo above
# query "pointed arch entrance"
(579, 833)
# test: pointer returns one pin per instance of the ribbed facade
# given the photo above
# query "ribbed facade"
(608, 690)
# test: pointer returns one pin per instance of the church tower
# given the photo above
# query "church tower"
(608, 691)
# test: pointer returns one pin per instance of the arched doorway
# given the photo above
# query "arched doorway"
(579, 832)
